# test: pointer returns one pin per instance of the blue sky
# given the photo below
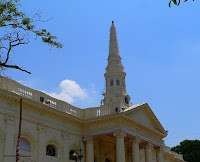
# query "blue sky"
(159, 46)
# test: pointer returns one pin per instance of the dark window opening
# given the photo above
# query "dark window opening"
(117, 82)
(126, 100)
(107, 160)
(50, 150)
(73, 155)
(111, 83)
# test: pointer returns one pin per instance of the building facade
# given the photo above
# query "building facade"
(55, 131)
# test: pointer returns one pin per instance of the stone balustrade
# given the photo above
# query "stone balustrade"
(168, 150)
(41, 97)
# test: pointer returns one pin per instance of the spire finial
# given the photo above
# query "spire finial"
(113, 23)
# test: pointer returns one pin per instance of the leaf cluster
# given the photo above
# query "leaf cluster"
(190, 149)
(176, 2)
(10, 16)
(17, 27)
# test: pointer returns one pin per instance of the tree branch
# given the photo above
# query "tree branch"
(14, 67)
(13, 42)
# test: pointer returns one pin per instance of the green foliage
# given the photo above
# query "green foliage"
(10, 16)
(190, 150)
(26, 21)
(17, 29)
(176, 2)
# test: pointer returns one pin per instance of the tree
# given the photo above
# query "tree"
(176, 2)
(16, 28)
(190, 150)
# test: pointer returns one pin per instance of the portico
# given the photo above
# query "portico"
(117, 146)
(123, 138)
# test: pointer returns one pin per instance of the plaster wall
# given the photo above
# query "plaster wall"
(39, 129)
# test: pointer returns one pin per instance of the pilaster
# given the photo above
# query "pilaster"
(10, 147)
(65, 137)
(129, 156)
(102, 153)
(41, 143)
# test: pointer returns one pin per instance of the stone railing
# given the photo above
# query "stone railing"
(41, 97)
(168, 150)
(98, 111)
(38, 96)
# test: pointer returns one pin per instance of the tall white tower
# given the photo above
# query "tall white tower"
(115, 76)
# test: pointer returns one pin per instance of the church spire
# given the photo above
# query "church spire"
(115, 94)
(113, 46)
(114, 59)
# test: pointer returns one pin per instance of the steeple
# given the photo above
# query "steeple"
(115, 94)
(113, 46)
(114, 59)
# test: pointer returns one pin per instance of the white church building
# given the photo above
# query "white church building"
(55, 131)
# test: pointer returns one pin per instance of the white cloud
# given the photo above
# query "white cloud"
(93, 90)
(62, 96)
(70, 91)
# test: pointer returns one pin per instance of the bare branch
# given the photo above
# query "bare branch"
(14, 40)
(14, 67)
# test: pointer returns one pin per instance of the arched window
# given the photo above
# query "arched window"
(126, 100)
(73, 155)
(51, 150)
(117, 82)
(24, 145)
(111, 82)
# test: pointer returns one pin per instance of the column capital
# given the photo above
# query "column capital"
(148, 146)
(88, 139)
(119, 134)
(160, 148)
(135, 140)
(10, 120)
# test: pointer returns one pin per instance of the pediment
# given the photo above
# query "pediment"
(143, 115)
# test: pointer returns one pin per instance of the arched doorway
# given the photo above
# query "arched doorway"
(107, 160)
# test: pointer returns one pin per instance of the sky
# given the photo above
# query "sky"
(159, 46)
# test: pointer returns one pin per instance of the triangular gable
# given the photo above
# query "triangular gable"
(143, 115)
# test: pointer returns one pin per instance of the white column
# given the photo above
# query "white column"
(41, 144)
(159, 154)
(135, 149)
(10, 148)
(120, 147)
(148, 152)
(65, 146)
(89, 149)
